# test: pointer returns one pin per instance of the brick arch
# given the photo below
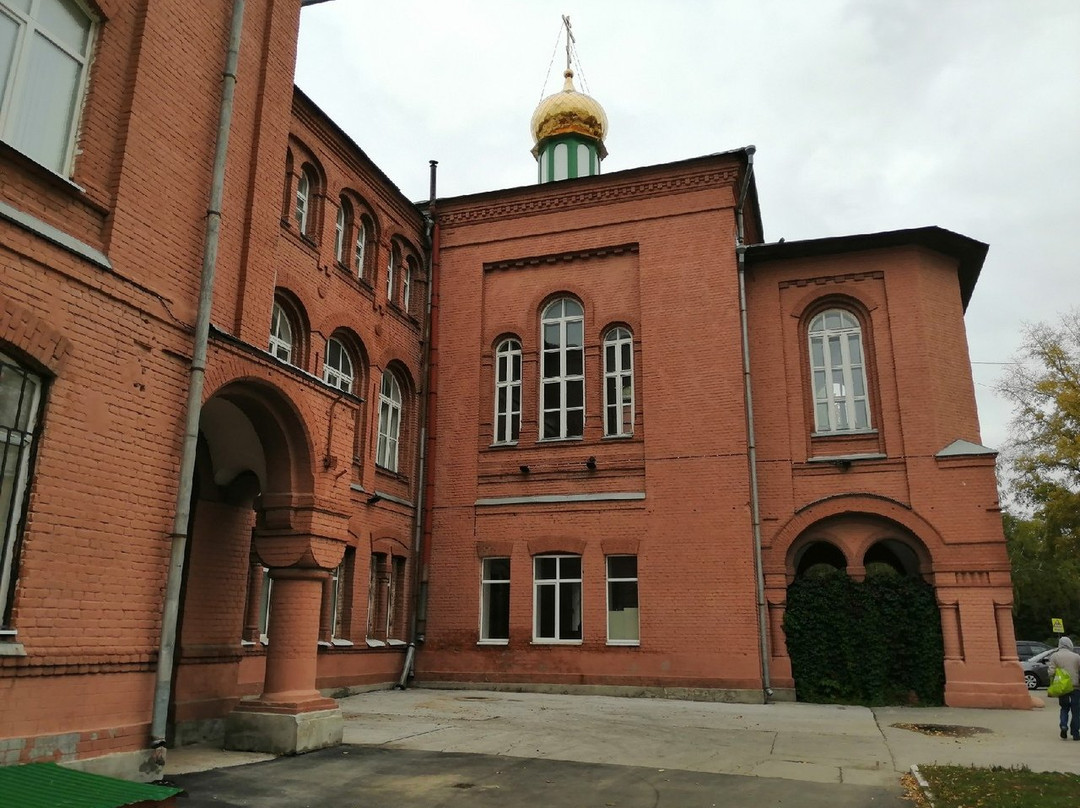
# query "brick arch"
(388, 543)
(32, 337)
(793, 535)
(557, 544)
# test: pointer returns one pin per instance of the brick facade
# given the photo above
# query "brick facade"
(100, 280)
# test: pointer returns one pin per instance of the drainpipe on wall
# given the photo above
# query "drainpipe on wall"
(751, 444)
(421, 452)
(171, 606)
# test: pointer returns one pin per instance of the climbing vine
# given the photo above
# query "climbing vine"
(872, 642)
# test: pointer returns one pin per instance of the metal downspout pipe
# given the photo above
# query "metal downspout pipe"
(751, 443)
(171, 606)
(421, 453)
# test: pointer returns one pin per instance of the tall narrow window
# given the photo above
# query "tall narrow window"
(264, 606)
(618, 383)
(507, 391)
(391, 268)
(281, 334)
(337, 599)
(338, 367)
(303, 201)
(562, 371)
(386, 454)
(340, 228)
(838, 373)
(622, 600)
(557, 598)
(395, 598)
(495, 600)
(44, 50)
(20, 395)
(360, 248)
(377, 590)
(406, 284)
(562, 161)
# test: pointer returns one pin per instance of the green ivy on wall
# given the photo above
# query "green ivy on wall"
(872, 642)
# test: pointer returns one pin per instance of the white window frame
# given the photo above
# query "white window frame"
(619, 382)
(507, 387)
(265, 602)
(488, 581)
(360, 246)
(558, 583)
(386, 453)
(567, 316)
(282, 340)
(20, 72)
(636, 640)
(391, 267)
(302, 214)
(837, 374)
(406, 284)
(340, 228)
(338, 365)
(20, 402)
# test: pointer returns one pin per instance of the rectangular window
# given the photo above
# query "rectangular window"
(495, 600)
(377, 589)
(264, 606)
(507, 391)
(622, 600)
(395, 599)
(557, 598)
(337, 599)
(20, 398)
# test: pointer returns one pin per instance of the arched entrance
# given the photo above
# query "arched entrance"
(861, 623)
(260, 548)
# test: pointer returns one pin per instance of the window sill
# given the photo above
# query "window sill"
(375, 643)
(575, 439)
(625, 643)
(506, 444)
(337, 642)
(629, 436)
(493, 642)
(396, 643)
(850, 433)
(537, 641)
(12, 649)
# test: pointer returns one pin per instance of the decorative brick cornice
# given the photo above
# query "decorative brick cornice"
(605, 194)
(554, 258)
(851, 277)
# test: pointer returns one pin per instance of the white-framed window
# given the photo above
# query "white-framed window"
(495, 600)
(360, 247)
(264, 606)
(562, 371)
(44, 52)
(622, 600)
(406, 284)
(507, 391)
(391, 269)
(341, 226)
(618, 383)
(557, 598)
(20, 398)
(281, 334)
(338, 366)
(386, 454)
(838, 373)
(304, 186)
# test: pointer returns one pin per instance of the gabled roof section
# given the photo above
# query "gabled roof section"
(965, 448)
(968, 252)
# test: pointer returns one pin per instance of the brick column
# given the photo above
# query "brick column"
(292, 657)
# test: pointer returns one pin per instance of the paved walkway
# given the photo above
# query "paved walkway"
(778, 743)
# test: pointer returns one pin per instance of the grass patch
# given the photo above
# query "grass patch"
(998, 787)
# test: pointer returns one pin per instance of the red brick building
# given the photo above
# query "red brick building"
(552, 481)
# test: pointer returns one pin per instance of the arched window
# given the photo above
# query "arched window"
(338, 365)
(360, 247)
(562, 161)
(618, 382)
(304, 186)
(44, 50)
(386, 453)
(838, 373)
(281, 334)
(507, 391)
(406, 283)
(20, 396)
(584, 169)
(562, 407)
(391, 269)
(344, 215)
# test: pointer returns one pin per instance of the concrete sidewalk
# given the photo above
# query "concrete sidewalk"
(801, 742)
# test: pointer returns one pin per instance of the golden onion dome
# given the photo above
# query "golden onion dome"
(569, 112)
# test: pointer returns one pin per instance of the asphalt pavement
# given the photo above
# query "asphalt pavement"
(436, 747)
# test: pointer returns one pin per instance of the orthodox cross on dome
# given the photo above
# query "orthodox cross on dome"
(568, 127)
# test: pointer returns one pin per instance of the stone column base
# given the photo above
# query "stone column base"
(283, 733)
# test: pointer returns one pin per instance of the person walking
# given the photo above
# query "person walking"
(1068, 660)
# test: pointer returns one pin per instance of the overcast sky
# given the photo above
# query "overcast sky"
(868, 115)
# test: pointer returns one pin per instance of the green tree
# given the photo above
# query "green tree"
(1042, 476)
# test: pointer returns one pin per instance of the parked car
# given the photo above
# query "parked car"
(1026, 649)
(1036, 671)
